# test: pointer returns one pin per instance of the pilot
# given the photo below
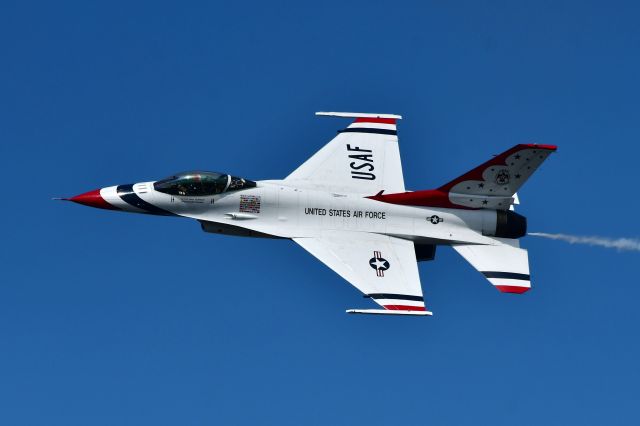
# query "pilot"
(236, 183)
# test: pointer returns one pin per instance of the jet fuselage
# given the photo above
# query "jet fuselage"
(279, 209)
(347, 205)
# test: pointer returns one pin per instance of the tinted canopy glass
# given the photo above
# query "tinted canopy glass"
(200, 184)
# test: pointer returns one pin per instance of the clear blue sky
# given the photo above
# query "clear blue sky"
(110, 318)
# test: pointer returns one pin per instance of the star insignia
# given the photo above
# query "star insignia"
(481, 185)
(380, 263)
(517, 157)
(484, 202)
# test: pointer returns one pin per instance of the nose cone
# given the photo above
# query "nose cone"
(92, 199)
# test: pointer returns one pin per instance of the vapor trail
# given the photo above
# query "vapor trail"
(631, 244)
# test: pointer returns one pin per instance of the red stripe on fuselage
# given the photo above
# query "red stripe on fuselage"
(426, 198)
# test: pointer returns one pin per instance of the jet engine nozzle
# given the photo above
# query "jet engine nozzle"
(510, 224)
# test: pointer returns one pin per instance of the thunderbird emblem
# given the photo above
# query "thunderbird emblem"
(503, 176)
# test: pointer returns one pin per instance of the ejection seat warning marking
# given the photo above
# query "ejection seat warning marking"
(379, 263)
(249, 204)
(356, 214)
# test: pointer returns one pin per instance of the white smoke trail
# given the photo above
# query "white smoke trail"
(630, 244)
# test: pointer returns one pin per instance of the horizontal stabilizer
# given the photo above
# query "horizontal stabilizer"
(386, 312)
(504, 265)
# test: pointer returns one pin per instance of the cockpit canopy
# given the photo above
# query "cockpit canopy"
(201, 184)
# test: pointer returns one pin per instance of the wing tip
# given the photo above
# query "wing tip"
(513, 289)
(389, 312)
(357, 115)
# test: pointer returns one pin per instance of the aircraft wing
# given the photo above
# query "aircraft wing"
(363, 159)
(383, 268)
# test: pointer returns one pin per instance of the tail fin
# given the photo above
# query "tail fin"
(491, 185)
(504, 174)
(506, 266)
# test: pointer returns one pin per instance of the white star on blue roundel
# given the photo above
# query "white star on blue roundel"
(379, 263)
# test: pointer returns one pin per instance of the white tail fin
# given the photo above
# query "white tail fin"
(363, 159)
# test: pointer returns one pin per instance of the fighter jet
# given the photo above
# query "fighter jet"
(348, 207)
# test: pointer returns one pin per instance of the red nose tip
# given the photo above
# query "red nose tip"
(92, 199)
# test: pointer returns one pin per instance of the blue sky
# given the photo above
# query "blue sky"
(110, 318)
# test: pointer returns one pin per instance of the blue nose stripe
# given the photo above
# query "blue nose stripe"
(127, 194)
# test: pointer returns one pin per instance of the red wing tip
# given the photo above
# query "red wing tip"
(375, 120)
(535, 145)
(512, 289)
(404, 308)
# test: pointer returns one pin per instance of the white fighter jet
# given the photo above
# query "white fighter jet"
(347, 206)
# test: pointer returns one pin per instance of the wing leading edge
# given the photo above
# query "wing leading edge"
(383, 268)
